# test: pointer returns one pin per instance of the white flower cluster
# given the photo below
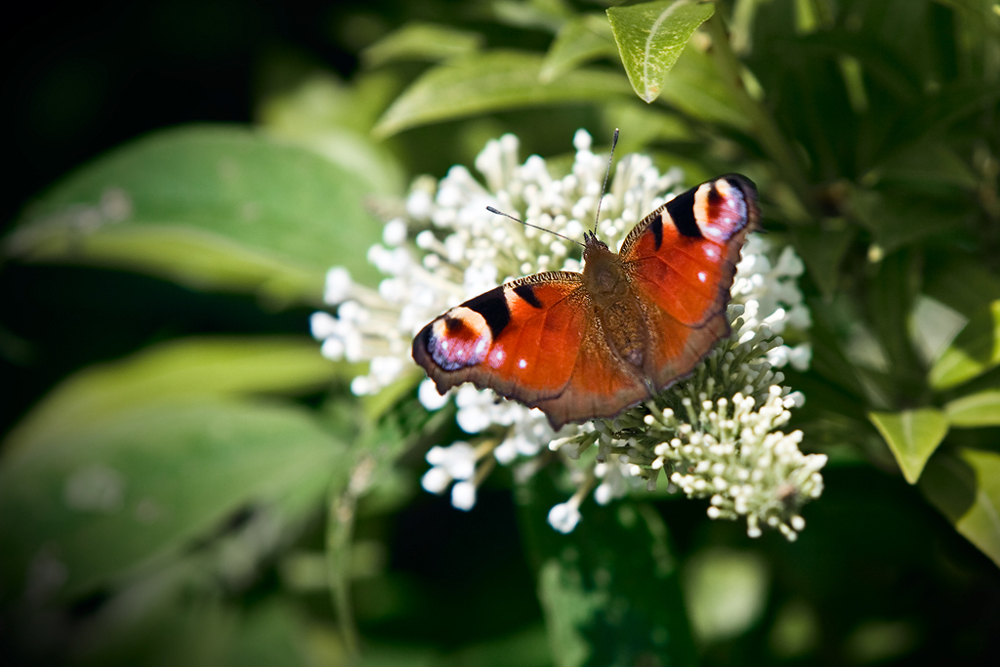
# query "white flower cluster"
(449, 248)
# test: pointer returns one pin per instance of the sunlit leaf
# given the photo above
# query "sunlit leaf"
(547, 15)
(492, 81)
(334, 119)
(974, 410)
(912, 435)
(93, 505)
(421, 41)
(580, 39)
(965, 486)
(188, 369)
(973, 352)
(210, 207)
(651, 36)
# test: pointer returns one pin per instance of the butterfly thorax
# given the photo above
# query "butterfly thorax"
(616, 306)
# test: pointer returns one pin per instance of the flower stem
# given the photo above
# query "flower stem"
(762, 124)
(339, 533)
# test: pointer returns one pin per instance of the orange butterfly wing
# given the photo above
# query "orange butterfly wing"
(681, 260)
(534, 340)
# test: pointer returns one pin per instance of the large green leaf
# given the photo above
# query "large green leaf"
(83, 509)
(421, 41)
(965, 486)
(651, 36)
(210, 207)
(610, 591)
(912, 435)
(192, 369)
(580, 39)
(493, 81)
(973, 352)
(979, 409)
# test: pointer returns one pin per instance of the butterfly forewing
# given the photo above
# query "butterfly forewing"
(519, 339)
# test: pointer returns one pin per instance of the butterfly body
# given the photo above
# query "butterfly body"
(590, 344)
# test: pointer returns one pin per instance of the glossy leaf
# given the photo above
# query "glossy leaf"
(975, 410)
(421, 41)
(609, 591)
(580, 39)
(973, 352)
(96, 504)
(651, 36)
(492, 81)
(964, 485)
(209, 207)
(912, 436)
(187, 369)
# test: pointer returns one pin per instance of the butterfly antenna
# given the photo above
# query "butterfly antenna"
(528, 224)
(604, 188)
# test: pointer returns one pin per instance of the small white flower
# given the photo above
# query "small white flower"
(463, 496)
(564, 516)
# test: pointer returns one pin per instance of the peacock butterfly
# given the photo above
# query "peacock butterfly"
(585, 345)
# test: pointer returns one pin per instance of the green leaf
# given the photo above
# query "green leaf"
(610, 592)
(651, 36)
(209, 207)
(960, 281)
(580, 39)
(973, 352)
(547, 15)
(492, 81)
(421, 41)
(926, 165)
(334, 119)
(902, 218)
(964, 485)
(191, 369)
(696, 88)
(974, 410)
(101, 502)
(822, 250)
(912, 436)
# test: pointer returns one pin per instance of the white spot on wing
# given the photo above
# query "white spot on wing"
(522, 364)
(701, 276)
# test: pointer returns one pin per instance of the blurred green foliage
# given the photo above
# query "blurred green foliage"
(225, 500)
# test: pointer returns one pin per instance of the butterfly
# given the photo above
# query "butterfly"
(585, 345)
